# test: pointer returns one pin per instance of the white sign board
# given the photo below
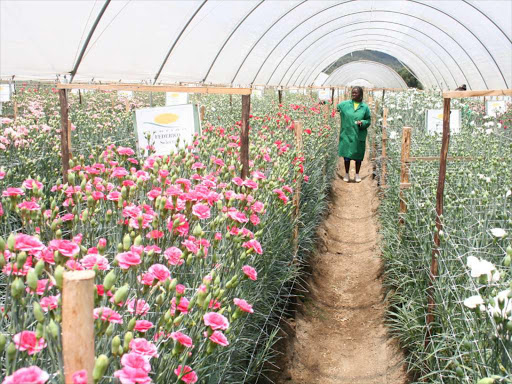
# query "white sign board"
(434, 120)
(258, 93)
(165, 125)
(493, 108)
(176, 98)
(126, 94)
(5, 93)
(324, 94)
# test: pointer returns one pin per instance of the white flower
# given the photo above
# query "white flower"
(509, 192)
(473, 301)
(498, 232)
(488, 131)
(481, 268)
(392, 135)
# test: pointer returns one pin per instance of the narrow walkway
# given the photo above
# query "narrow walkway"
(340, 336)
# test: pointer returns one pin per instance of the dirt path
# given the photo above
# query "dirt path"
(340, 336)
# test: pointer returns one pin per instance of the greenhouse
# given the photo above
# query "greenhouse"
(260, 191)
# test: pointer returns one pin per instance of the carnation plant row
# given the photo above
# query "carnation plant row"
(472, 328)
(193, 265)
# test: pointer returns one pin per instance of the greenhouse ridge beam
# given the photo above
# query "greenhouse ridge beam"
(461, 94)
(157, 88)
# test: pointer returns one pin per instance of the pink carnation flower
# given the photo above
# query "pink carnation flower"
(254, 245)
(243, 305)
(250, 272)
(29, 375)
(29, 244)
(65, 247)
(50, 302)
(27, 341)
(143, 325)
(201, 210)
(13, 192)
(135, 369)
(128, 259)
(216, 321)
(189, 376)
(159, 272)
(218, 338)
(80, 377)
(143, 347)
(182, 339)
(173, 255)
(107, 314)
(92, 259)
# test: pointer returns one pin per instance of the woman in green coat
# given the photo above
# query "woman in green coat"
(355, 120)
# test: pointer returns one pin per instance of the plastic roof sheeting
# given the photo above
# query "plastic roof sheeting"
(366, 72)
(264, 42)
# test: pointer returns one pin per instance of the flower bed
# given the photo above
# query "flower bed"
(473, 314)
(192, 263)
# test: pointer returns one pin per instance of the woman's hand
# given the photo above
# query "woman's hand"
(359, 122)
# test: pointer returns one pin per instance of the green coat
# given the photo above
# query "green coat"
(352, 137)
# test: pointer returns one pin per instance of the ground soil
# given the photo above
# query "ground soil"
(339, 335)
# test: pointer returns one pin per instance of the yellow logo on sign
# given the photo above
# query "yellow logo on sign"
(440, 116)
(166, 118)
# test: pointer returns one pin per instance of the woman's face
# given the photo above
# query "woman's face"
(356, 94)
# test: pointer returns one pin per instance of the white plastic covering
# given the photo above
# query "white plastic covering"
(366, 72)
(272, 42)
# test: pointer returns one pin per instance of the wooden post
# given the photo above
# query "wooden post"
(65, 133)
(404, 171)
(78, 323)
(79, 97)
(384, 149)
(280, 96)
(127, 105)
(299, 125)
(439, 213)
(332, 95)
(112, 100)
(231, 101)
(202, 112)
(244, 135)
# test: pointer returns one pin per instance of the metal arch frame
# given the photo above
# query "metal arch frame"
(368, 62)
(176, 41)
(488, 18)
(229, 37)
(89, 37)
(293, 29)
(425, 75)
(470, 31)
(261, 37)
(430, 66)
(406, 26)
(362, 78)
(371, 11)
(336, 30)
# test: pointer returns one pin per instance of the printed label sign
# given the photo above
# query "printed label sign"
(164, 125)
(176, 98)
(258, 93)
(5, 92)
(324, 94)
(126, 94)
(434, 120)
(495, 107)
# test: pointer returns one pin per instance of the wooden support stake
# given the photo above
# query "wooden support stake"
(332, 95)
(80, 96)
(65, 133)
(202, 111)
(299, 125)
(78, 323)
(244, 136)
(384, 149)
(231, 101)
(280, 96)
(439, 224)
(127, 105)
(404, 170)
(15, 110)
